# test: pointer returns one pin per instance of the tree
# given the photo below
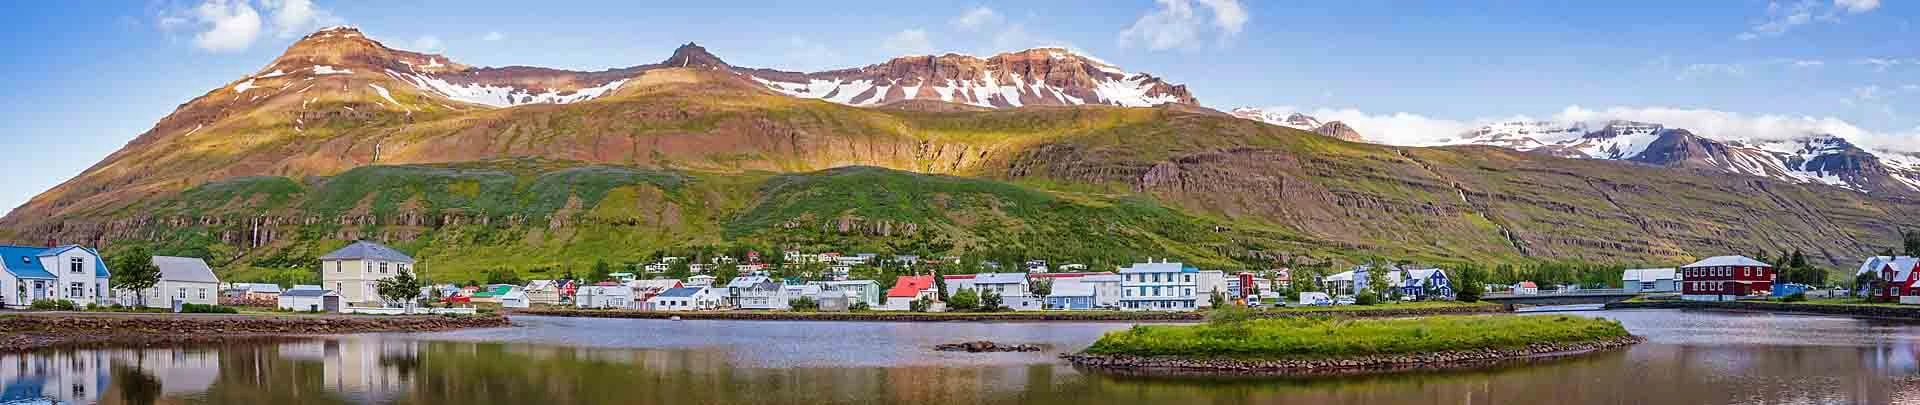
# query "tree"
(133, 271)
(1867, 282)
(1376, 280)
(401, 288)
(940, 284)
(1466, 284)
(990, 302)
(803, 304)
(1910, 241)
(1217, 299)
(503, 276)
(920, 304)
(965, 300)
(725, 272)
(1041, 287)
(1799, 261)
(679, 270)
(601, 272)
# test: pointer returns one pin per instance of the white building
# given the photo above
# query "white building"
(758, 293)
(184, 279)
(70, 272)
(354, 271)
(1163, 286)
(1664, 280)
(686, 299)
(699, 281)
(310, 298)
(1207, 282)
(867, 291)
(544, 292)
(604, 296)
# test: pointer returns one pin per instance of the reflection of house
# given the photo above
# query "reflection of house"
(368, 368)
(76, 377)
(70, 272)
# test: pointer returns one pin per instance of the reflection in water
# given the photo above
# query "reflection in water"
(1693, 358)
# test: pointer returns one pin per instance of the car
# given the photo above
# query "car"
(1253, 304)
(1409, 298)
(1344, 301)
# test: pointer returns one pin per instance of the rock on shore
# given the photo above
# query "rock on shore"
(983, 346)
(27, 332)
(1344, 365)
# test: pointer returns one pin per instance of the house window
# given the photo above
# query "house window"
(77, 264)
(76, 290)
(383, 268)
(203, 293)
(336, 267)
(180, 292)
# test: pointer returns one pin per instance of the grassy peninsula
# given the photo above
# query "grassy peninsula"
(1309, 338)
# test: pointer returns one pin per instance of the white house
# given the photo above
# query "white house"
(515, 298)
(1162, 286)
(758, 293)
(686, 299)
(310, 298)
(185, 279)
(545, 292)
(604, 296)
(867, 291)
(70, 272)
(1106, 289)
(699, 281)
(354, 271)
(1207, 282)
(1650, 280)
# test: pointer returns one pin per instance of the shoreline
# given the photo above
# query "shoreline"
(33, 331)
(1854, 311)
(1026, 316)
(1163, 366)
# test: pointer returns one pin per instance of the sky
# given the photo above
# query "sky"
(86, 77)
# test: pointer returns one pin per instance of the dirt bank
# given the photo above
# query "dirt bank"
(43, 330)
(1370, 364)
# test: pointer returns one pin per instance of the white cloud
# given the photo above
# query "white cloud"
(1711, 69)
(1177, 24)
(1881, 64)
(1857, 6)
(493, 36)
(1785, 15)
(1417, 130)
(429, 44)
(234, 25)
(976, 18)
(908, 42)
(292, 18)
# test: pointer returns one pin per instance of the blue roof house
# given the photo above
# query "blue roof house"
(69, 272)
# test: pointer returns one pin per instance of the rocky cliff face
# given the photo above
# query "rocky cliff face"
(1038, 76)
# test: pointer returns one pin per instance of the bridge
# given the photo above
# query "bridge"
(1575, 297)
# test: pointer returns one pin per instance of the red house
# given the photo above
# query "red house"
(1725, 278)
(1897, 275)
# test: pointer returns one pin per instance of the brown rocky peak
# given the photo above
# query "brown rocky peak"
(1339, 130)
(694, 55)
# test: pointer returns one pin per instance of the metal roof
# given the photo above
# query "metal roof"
(1727, 261)
(364, 250)
(187, 269)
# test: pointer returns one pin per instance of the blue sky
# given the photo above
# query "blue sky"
(86, 77)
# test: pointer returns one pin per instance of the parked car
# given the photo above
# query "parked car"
(1253, 303)
(1344, 301)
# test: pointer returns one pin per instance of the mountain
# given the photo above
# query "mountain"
(1038, 76)
(546, 170)
(1336, 129)
(1811, 159)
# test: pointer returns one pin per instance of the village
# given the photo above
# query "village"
(370, 278)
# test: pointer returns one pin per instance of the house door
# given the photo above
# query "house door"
(330, 303)
(39, 291)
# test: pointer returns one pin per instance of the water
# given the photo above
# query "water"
(1691, 358)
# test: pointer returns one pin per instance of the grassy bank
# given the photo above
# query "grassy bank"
(1315, 337)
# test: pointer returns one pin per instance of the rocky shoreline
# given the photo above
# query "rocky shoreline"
(36, 331)
(1372, 364)
(1859, 311)
(1035, 316)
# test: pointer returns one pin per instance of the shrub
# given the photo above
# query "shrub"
(803, 304)
(965, 300)
(1366, 298)
(861, 306)
(990, 302)
(920, 304)
(54, 305)
(206, 309)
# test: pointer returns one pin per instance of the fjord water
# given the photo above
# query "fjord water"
(1691, 358)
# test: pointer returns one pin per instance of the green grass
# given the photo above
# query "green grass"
(1382, 307)
(1311, 337)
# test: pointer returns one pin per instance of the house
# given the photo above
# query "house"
(1725, 278)
(1664, 280)
(515, 298)
(1073, 267)
(1162, 286)
(699, 281)
(685, 299)
(839, 272)
(604, 295)
(311, 298)
(654, 268)
(69, 272)
(1071, 297)
(1896, 275)
(1007, 285)
(1206, 283)
(184, 279)
(864, 291)
(905, 290)
(491, 294)
(645, 289)
(622, 277)
(1037, 266)
(1341, 283)
(1525, 288)
(543, 292)
(1416, 282)
(740, 284)
(354, 271)
(251, 294)
(758, 293)
(1281, 278)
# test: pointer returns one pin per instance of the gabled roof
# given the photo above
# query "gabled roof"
(1717, 261)
(1072, 290)
(1424, 274)
(1903, 266)
(683, 292)
(24, 262)
(57, 250)
(1873, 264)
(541, 285)
(1162, 267)
(909, 286)
(1000, 278)
(1649, 274)
(745, 281)
(1527, 284)
(184, 269)
(364, 250)
(262, 288)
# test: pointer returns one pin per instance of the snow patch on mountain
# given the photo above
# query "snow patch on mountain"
(500, 95)
(322, 70)
(244, 86)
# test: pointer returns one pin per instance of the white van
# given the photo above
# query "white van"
(1315, 299)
